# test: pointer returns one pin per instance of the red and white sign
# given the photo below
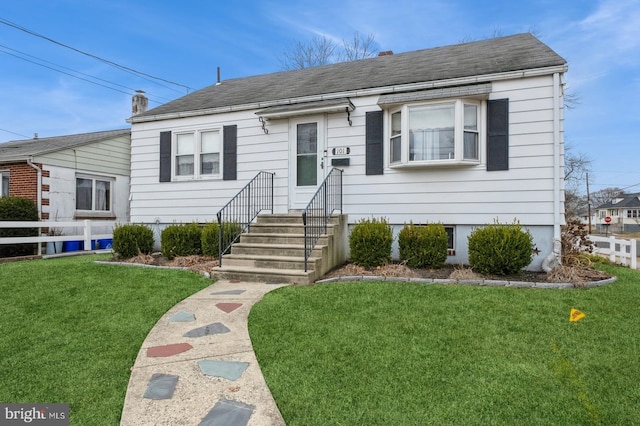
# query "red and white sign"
(607, 219)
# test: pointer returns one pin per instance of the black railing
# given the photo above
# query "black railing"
(236, 217)
(315, 217)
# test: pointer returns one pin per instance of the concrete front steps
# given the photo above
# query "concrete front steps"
(273, 251)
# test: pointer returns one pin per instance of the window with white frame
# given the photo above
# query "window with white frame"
(435, 132)
(197, 154)
(4, 183)
(633, 213)
(94, 194)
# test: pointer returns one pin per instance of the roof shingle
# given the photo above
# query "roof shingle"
(498, 55)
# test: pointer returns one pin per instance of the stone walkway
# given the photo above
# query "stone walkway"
(197, 365)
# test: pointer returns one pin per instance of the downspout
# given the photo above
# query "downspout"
(39, 193)
(554, 258)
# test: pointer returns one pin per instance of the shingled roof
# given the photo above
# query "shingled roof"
(486, 57)
(20, 150)
(622, 201)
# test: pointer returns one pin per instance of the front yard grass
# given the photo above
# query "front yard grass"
(372, 353)
(71, 330)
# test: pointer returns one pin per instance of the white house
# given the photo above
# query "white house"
(463, 135)
(623, 211)
(70, 177)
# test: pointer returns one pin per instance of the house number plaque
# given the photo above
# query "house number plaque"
(341, 150)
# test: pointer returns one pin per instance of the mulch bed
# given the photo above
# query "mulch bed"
(565, 274)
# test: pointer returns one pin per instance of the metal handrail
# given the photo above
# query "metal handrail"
(315, 217)
(236, 216)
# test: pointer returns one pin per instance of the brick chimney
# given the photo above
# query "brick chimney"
(139, 103)
(386, 53)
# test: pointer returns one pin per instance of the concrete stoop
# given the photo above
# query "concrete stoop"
(273, 251)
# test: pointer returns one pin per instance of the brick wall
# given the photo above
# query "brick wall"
(23, 181)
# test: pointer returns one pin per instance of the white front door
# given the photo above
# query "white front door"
(306, 159)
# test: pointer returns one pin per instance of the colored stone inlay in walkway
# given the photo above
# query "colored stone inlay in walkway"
(231, 292)
(231, 370)
(168, 350)
(161, 386)
(214, 328)
(228, 412)
(228, 307)
(183, 316)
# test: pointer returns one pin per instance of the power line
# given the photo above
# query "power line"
(67, 68)
(14, 133)
(106, 61)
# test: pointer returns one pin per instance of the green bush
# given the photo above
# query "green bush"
(500, 249)
(370, 243)
(181, 240)
(132, 240)
(423, 246)
(210, 236)
(18, 209)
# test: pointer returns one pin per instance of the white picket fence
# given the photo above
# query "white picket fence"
(619, 251)
(86, 231)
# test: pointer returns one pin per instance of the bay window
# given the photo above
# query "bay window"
(435, 133)
(197, 154)
(93, 194)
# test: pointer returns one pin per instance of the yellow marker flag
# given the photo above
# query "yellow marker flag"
(576, 315)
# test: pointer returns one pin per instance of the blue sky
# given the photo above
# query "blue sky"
(185, 42)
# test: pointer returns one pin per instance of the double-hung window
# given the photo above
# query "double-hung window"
(94, 194)
(435, 133)
(4, 184)
(197, 154)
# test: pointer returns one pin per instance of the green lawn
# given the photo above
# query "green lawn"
(373, 353)
(71, 330)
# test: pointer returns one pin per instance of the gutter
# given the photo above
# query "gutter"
(356, 93)
(39, 193)
(554, 258)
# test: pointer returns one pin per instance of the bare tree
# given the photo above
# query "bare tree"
(575, 205)
(602, 196)
(360, 47)
(318, 51)
(576, 167)
(322, 51)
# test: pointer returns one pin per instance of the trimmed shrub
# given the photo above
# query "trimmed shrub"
(132, 240)
(181, 240)
(211, 235)
(370, 243)
(18, 209)
(423, 246)
(500, 249)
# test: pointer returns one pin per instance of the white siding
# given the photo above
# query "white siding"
(62, 193)
(110, 156)
(464, 196)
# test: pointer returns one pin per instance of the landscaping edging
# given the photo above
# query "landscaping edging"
(183, 268)
(425, 281)
(478, 282)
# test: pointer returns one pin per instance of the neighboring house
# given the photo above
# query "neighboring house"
(624, 211)
(72, 177)
(462, 135)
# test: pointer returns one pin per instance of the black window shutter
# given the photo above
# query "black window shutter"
(165, 156)
(230, 152)
(374, 144)
(498, 134)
